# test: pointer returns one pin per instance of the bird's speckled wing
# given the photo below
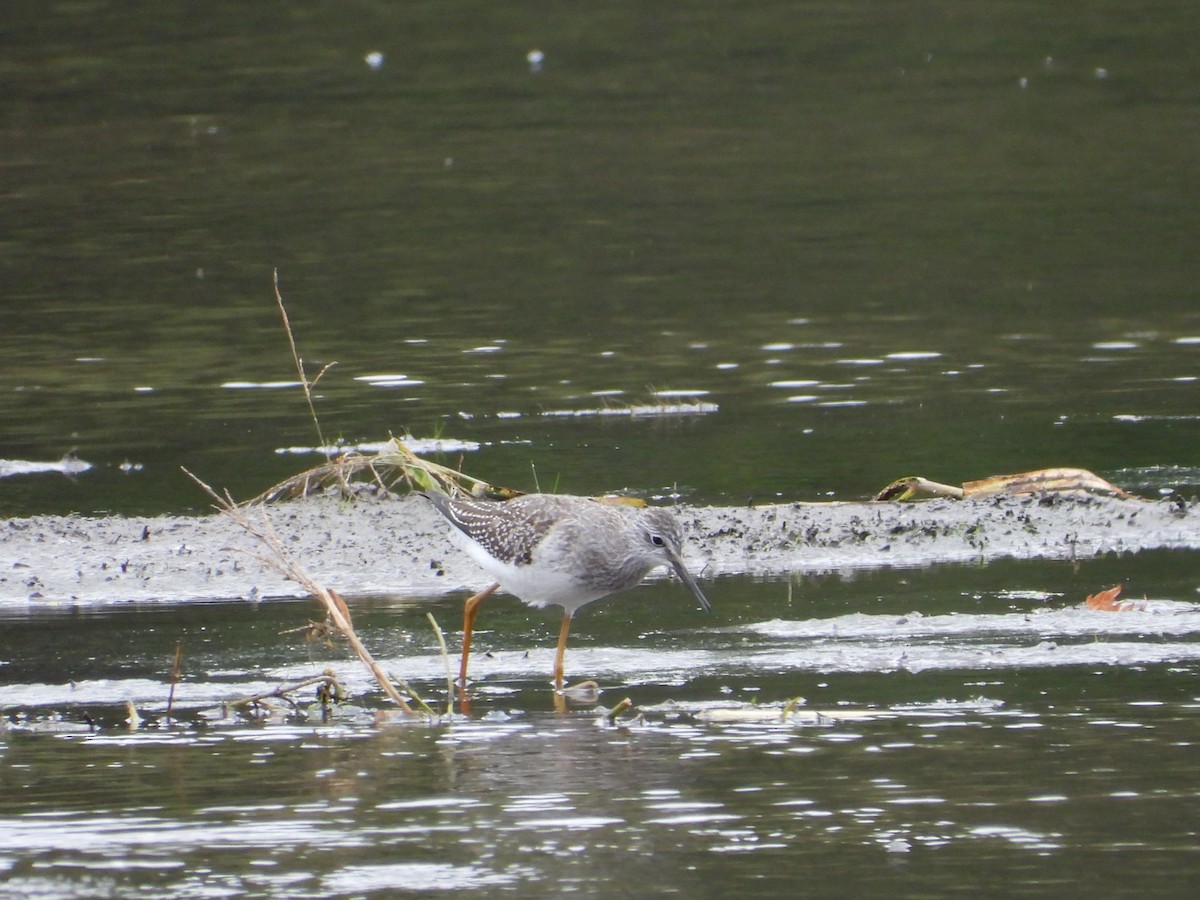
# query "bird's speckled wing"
(509, 530)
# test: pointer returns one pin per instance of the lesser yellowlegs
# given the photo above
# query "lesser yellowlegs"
(555, 549)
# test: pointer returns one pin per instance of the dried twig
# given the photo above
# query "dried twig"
(416, 698)
(445, 659)
(326, 679)
(618, 710)
(1075, 482)
(393, 464)
(280, 560)
(304, 382)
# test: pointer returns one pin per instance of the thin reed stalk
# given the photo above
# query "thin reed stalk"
(304, 382)
(278, 558)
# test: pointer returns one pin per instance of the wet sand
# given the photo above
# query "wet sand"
(390, 545)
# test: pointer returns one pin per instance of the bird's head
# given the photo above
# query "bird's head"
(663, 536)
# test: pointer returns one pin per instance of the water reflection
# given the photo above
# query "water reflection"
(1004, 760)
(545, 802)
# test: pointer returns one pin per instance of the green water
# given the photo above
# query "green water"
(682, 199)
(875, 239)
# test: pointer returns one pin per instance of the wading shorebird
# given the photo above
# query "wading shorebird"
(559, 550)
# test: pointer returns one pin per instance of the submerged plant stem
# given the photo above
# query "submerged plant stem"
(445, 659)
(176, 671)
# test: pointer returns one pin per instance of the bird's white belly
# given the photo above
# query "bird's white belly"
(536, 585)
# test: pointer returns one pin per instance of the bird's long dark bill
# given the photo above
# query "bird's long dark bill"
(686, 577)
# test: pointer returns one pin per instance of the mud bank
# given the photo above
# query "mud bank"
(398, 545)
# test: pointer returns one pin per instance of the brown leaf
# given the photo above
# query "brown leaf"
(1106, 601)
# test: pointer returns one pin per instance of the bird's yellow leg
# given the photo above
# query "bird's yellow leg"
(562, 650)
(469, 612)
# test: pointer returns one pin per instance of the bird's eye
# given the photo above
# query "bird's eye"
(657, 541)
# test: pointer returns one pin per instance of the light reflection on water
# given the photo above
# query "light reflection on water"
(547, 802)
(1010, 765)
(1155, 632)
(756, 407)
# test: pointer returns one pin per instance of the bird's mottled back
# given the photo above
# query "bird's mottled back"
(509, 530)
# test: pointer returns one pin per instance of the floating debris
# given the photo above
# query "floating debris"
(790, 713)
(389, 380)
(1041, 481)
(68, 465)
(650, 409)
(1106, 601)
(416, 445)
(251, 385)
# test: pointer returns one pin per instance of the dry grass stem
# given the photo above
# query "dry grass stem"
(278, 558)
(441, 638)
(393, 464)
(326, 680)
(304, 382)
(413, 695)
